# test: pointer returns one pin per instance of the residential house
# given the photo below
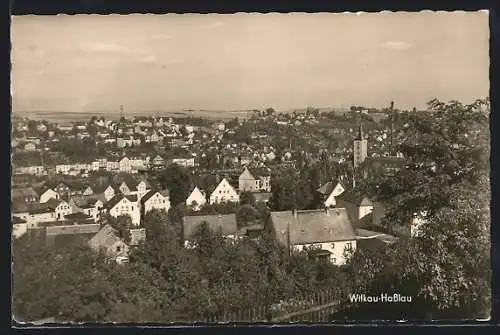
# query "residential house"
(110, 192)
(185, 162)
(30, 146)
(329, 192)
(357, 205)
(124, 165)
(226, 224)
(327, 234)
(224, 192)
(158, 163)
(61, 208)
(65, 127)
(254, 180)
(46, 194)
(155, 200)
(124, 205)
(196, 199)
(108, 241)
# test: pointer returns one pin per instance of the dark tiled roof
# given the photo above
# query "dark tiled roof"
(77, 216)
(117, 198)
(17, 220)
(105, 238)
(52, 203)
(225, 222)
(72, 229)
(354, 197)
(315, 226)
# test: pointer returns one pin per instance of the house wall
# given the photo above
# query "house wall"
(247, 184)
(197, 197)
(47, 195)
(109, 193)
(363, 211)
(19, 229)
(157, 201)
(337, 249)
(224, 193)
(62, 210)
(125, 207)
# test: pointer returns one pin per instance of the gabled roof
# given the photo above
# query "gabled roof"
(77, 217)
(148, 196)
(119, 197)
(53, 203)
(356, 198)
(17, 220)
(226, 222)
(315, 226)
(105, 238)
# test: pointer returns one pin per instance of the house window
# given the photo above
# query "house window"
(349, 246)
(333, 245)
(118, 248)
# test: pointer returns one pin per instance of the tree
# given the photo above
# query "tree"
(246, 214)
(177, 180)
(446, 266)
(247, 198)
(443, 148)
(123, 224)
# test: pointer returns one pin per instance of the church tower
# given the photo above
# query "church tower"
(360, 147)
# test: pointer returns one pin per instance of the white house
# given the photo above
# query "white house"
(185, 162)
(224, 192)
(124, 205)
(325, 234)
(357, 205)
(109, 193)
(124, 165)
(108, 241)
(48, 194)
(329, 192)
(254, 180)
(196, 199)
(155, 200)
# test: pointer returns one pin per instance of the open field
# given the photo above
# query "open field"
(62, 116)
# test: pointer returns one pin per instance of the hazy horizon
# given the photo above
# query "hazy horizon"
(247, 61)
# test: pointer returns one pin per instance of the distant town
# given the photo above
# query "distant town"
(308, 180)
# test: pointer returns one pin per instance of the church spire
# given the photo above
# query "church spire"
(360, 136)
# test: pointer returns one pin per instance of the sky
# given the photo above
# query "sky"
(245, 61)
